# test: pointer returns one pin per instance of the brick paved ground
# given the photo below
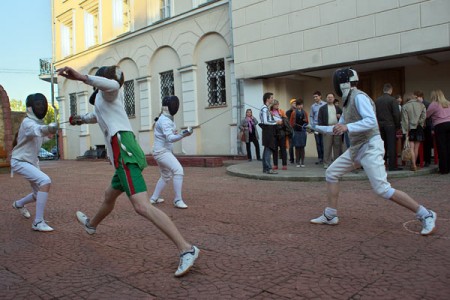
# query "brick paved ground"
(255, 237)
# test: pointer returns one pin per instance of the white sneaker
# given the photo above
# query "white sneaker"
(302, 166)
(323, 219)
(23, 210)
(41, 226)
(429, 223)
(297, 166)
(156, 201)
(187, 260)
(180, 204)
(84, 220)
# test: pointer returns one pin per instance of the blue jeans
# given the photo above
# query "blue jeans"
(267, 155)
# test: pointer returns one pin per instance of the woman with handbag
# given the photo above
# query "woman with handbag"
(413, 120)
(249, 134)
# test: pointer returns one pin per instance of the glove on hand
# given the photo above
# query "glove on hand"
(76, 120)
(52, 128)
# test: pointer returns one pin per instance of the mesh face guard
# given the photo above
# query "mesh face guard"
(38, 104)
(172, 103)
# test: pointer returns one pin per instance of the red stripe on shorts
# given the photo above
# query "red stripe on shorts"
(129, 179)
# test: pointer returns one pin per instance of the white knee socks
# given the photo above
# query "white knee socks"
(41, 200)
(25, 200)
(160, 185)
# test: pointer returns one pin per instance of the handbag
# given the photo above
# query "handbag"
(406, 152)
(243, 136)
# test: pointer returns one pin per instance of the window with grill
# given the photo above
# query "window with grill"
(216, 82)
(129, 102)
(167, 86)
(73, 104)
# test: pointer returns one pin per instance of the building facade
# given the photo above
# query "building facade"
(221, 56)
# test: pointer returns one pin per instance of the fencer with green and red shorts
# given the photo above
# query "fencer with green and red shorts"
(124, 151)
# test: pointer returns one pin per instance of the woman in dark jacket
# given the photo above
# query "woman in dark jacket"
(298, 121)
(250, 134)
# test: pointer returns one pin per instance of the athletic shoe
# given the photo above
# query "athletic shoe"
(324, 219)
(156, 201)
(275, 167)
(84, 220)
(298, 166)
(429, 223)
(23, 210)
(187, 260)
(284, 168)
(41, 226)
(302, 166)
(180, 204)
(271, 172)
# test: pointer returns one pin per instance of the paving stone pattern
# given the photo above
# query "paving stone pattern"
(255, 238)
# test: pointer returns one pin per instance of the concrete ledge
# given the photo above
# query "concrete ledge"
(311, 172)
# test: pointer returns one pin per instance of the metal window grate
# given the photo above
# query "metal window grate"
(167, 85)
(73, 104)
(216, 82)
(129, 102)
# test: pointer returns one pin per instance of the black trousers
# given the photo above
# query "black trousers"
(252, 139)
(389, 137)
(442, 133)
(280, 141)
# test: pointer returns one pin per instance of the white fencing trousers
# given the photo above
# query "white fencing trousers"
(34, 175)
(371, 158)
(169, 167)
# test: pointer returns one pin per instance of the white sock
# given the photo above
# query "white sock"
(422, 212)
(25, 200)
(177, 186)
(331, 212)
(160, 185)
(41, 200)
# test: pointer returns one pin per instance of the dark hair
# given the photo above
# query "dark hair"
(299, 101)
(387, 87)
(267, 96)
(318, 93)
(418, 94)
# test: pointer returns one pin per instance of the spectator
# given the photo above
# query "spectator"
(332, 144)
(428, 138)
(248, 128)
(388, 117)
(413, 120)
(280, 135)
(291, 144)
(439, 112)
(313, 120)
(298, 121)
(267, 123)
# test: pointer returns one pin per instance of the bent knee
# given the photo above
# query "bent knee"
(385, 192)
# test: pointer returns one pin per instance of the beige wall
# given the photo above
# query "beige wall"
(273, 37)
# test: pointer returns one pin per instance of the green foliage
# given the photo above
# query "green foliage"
(17, 105)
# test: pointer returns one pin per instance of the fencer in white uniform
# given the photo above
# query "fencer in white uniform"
(165, 134)
(25, 161)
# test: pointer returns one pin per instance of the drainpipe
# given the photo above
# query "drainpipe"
(238, 81)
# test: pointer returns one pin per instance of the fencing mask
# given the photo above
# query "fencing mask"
(38, 105)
